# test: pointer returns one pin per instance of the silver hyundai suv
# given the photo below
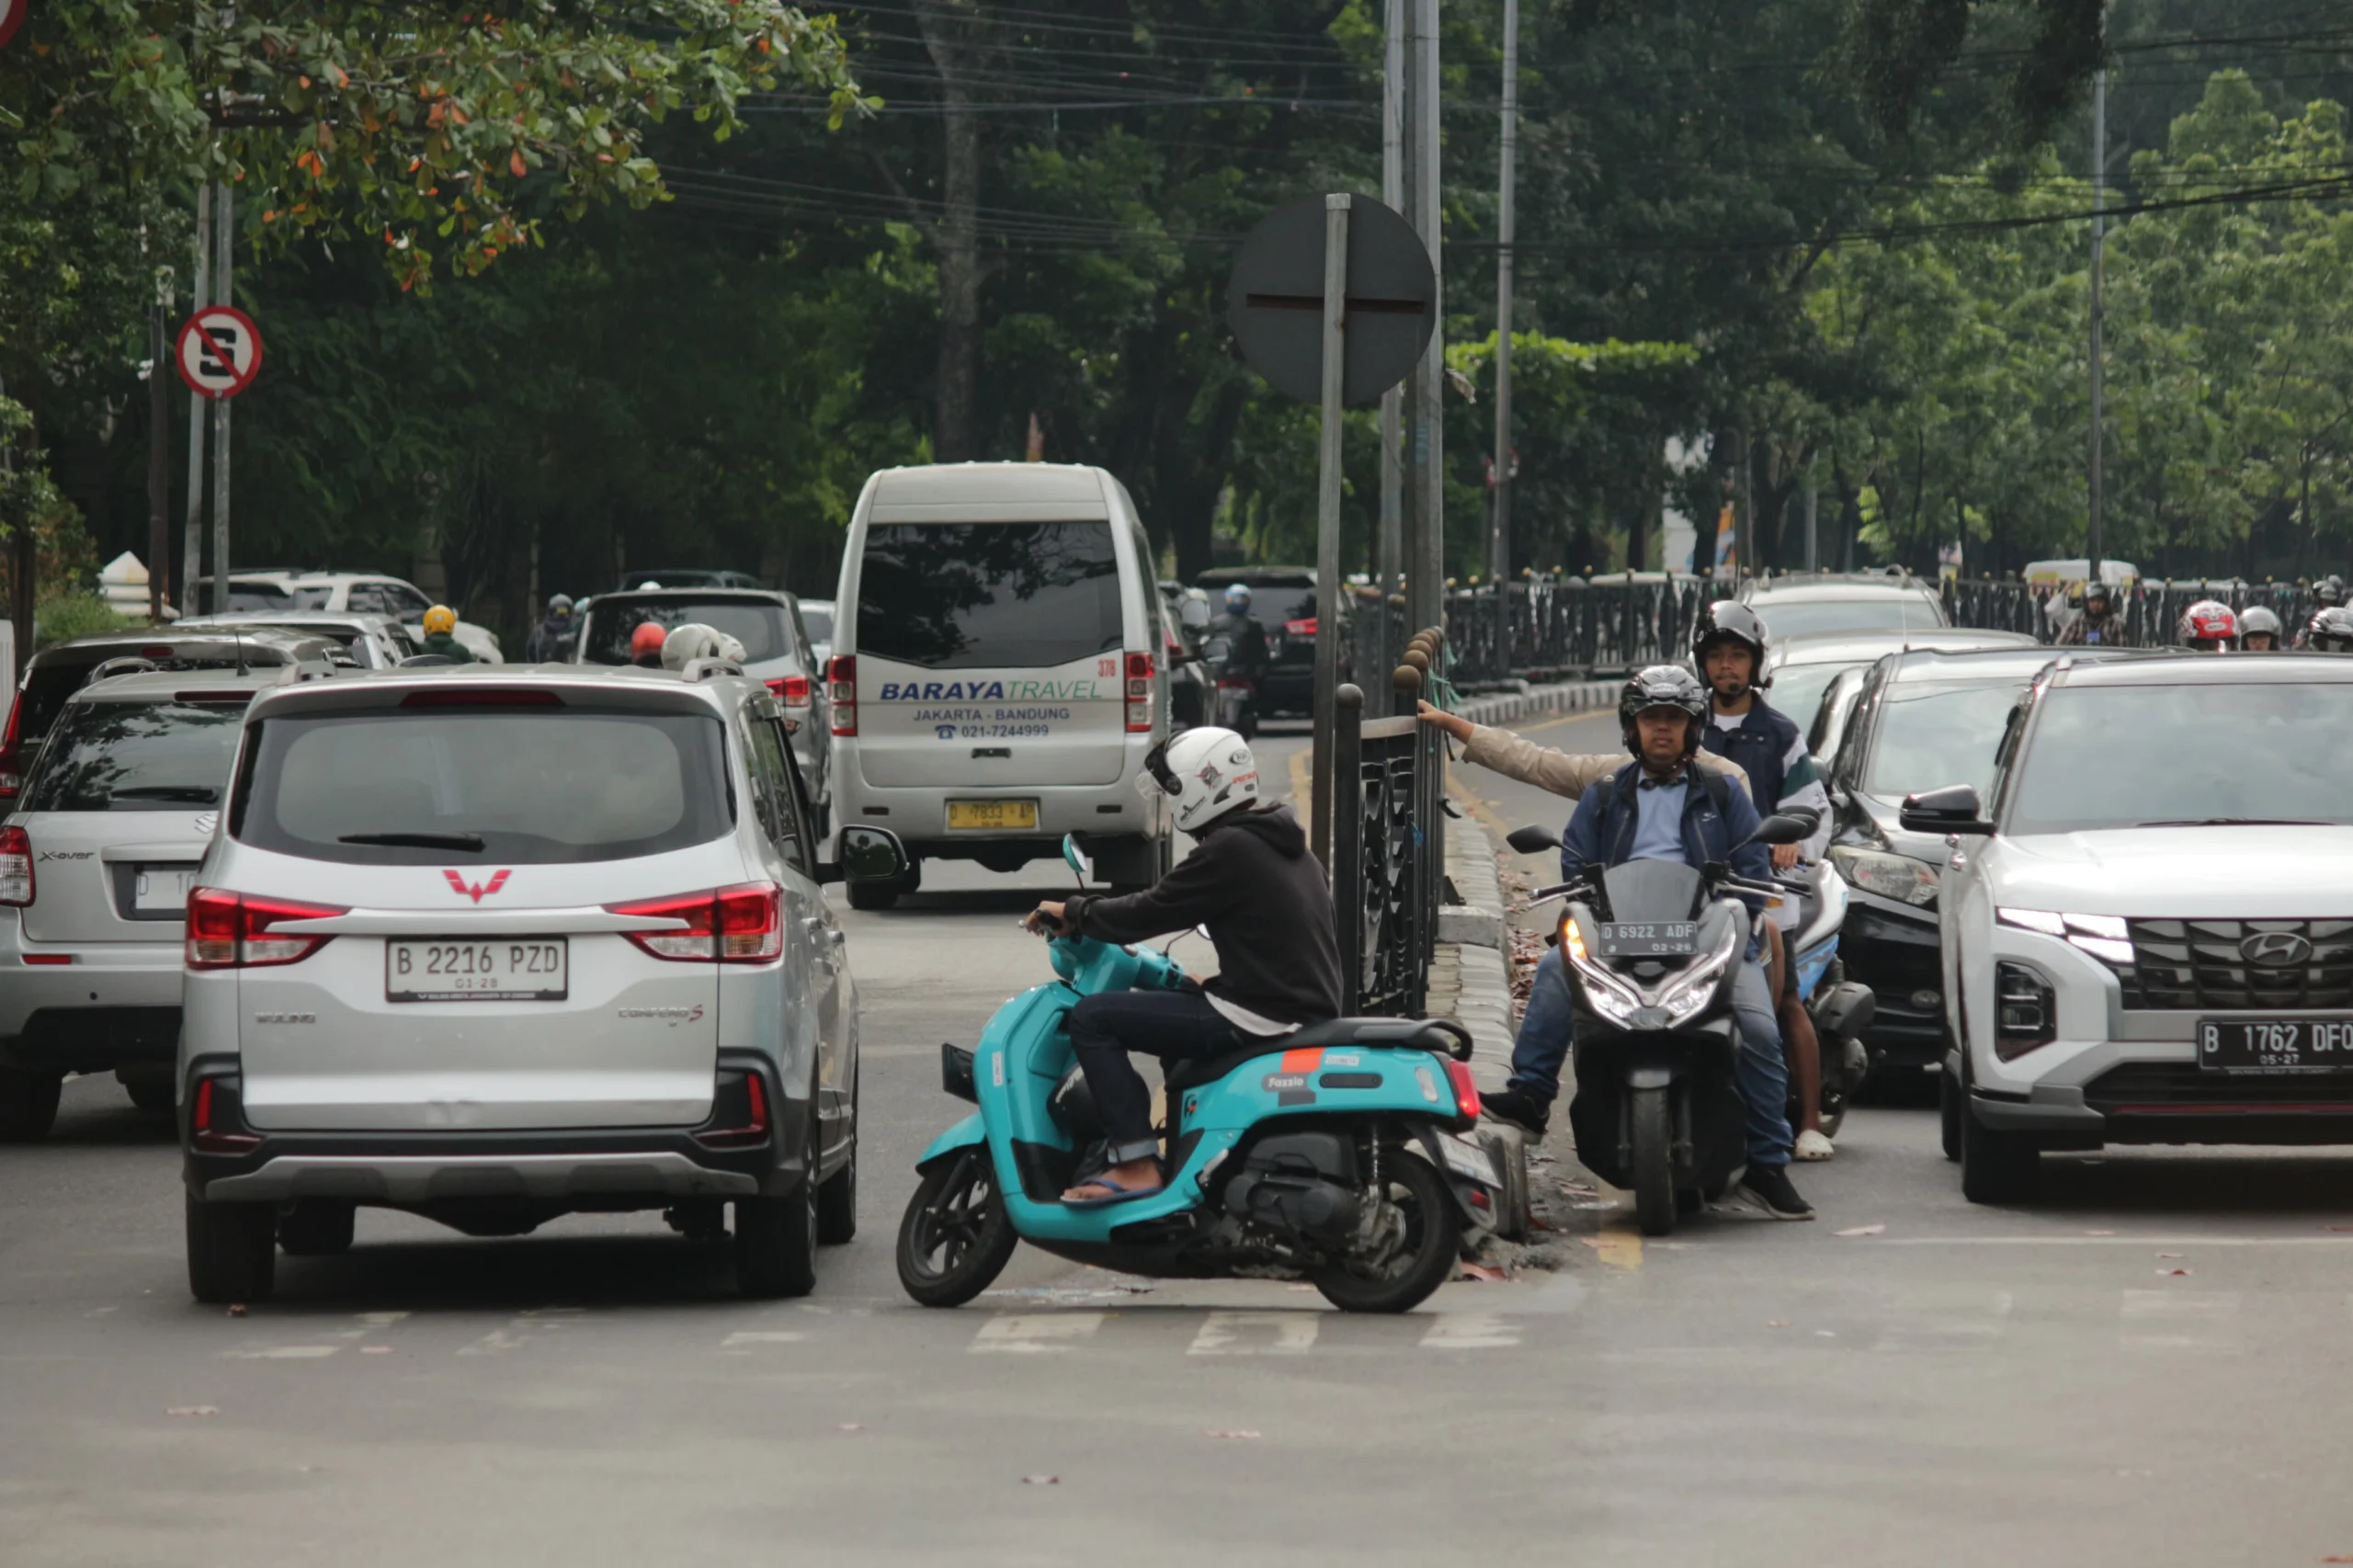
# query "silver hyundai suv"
(492, 945)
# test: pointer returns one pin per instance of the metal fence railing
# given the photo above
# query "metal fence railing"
(1543, 629)
(2148, 613)
(1388, 844)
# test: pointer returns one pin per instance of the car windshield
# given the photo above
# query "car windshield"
(2126, 757)
(818, 623)
(1937, 734)
(532, 787)
(1797, 689)
(988, 595)
(759, 624)
(263, 596)
(135, 756)
(1866, 612)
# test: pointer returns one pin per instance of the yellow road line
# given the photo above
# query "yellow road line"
(1617, 1248)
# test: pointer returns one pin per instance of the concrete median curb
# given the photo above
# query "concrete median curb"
(1470, 979)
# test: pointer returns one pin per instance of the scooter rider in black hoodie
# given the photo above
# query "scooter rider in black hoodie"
(1251, 880)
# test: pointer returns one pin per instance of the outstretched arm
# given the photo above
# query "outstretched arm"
(1560, 772)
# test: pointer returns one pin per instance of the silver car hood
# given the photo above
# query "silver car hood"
(2222, 873)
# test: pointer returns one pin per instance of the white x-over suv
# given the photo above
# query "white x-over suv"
(2148, 931)
(492, 945)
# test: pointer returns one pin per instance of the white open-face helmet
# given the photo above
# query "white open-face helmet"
(1207, 772)
(695, 641)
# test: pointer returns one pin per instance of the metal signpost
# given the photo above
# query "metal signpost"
(1332, 299)
(219, 352)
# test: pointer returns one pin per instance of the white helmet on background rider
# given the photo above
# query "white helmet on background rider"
(695, 641)
(1206, 771)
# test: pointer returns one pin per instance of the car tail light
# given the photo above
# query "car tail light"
(737, 925)
(1466, 1092)
(39, 959)
(15, 867)
(2025, 1011)
(792, 689)
(1300, 628)
(469, 696)
(1140, 668)
(741, 1101)
(214, 1114)
(12, 764)
(841, 692)
(229, 930)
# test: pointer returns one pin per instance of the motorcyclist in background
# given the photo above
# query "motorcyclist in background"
(551, 641)
(2330, 631)
(2258, 631)
(2097, 625)
(1728, 650)
(441, 635)
(645, 644)
(2209, 627)
(1245, 639)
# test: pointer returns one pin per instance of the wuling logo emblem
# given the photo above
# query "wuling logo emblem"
(477, 890)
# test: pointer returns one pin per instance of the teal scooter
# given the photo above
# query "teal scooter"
(1336, 1154)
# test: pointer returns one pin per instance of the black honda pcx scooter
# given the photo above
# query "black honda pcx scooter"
(1651, 949)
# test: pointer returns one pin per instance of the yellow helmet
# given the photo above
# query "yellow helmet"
(439, 620)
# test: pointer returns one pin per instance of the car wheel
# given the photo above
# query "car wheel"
(776, 1243)
(232, 1251)
(317, 1227)
(838, 1194)
(149, 1090)
(1950, 1100)
(27, 1103)
(1996, 1166)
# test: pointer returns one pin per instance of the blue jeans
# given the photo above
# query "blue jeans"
(1763, 1077)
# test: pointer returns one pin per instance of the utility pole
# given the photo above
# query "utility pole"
(199, 296)
(159, 446)
(224, 241)
(1499, 538)
(2099, 356)
(1425, 388)
(1813, 532)
(1388, 550)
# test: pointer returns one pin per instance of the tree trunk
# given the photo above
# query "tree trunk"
(955, 423)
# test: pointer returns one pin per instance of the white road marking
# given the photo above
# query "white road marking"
(1470, 1331)
(2203, 1321)
(1235, 1334)
(743, 1340)
(283, 1353)
(1954, 1319)
(1031, 1333)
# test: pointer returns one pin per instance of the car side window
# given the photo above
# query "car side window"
(772, 794)
(367, 598)
(402, 600)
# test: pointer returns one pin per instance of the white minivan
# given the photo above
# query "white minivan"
(996, 677)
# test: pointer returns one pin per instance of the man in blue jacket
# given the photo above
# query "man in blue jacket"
(1659, 807)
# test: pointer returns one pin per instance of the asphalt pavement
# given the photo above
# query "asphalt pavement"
(2138, 1370)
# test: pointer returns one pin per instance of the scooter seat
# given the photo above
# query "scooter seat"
(1445, 1036)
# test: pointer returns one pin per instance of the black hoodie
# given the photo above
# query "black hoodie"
(1251, 880)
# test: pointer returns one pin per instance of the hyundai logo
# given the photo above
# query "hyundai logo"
(2276, 949)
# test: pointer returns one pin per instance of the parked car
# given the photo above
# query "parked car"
(817, 620)
(1282, 601)
(96, 862)
(373, 641)
(1921, 719)
(686, 577)
(775, 651)
(2144, 923)
(998, 678)
(1800, 605)
(58, 671)
(491, 946)
(363, 593)
(1800, 670)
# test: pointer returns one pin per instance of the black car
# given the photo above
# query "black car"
(1282, 601)
(1924, 720)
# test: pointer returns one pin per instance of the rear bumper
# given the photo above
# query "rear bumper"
(94, 1039)
(420, 1179)
(101, 977)
(2175, 1102)
(918, 813)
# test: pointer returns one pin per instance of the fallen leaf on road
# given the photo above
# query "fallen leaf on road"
(1486, 1271)
(237, 1309)
(1041, 1480)
(2341, 1557)
(194, 1410)
(2174, 1271)
(848, 1426)
(1777, 1323)
(2099, 1233)
(1220, 1432)
(2170, 1254)
(375, 1350)
(1860, 1231)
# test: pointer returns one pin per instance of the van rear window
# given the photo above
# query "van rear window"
(988, 595)
(515, 786)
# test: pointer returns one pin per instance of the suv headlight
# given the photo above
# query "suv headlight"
(1898, 877)
(2105, 936)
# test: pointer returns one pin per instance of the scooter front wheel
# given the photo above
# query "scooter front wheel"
(1650, 1117)
(1420, 1262)
(955, 1237)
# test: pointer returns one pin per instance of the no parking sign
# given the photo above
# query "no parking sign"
(219, 351)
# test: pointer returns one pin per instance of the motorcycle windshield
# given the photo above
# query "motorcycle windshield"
(1653, 889)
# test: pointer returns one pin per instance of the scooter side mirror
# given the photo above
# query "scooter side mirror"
(1532, 840)
(1786, 827)
(1081, 863)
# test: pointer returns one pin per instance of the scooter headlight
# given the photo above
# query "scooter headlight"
(1604, 991)
(1690, 993)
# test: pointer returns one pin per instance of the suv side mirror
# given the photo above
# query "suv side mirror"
(868, 855)
(1953, 809)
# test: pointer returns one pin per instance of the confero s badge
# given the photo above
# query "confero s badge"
(996, 678)
(491, 946)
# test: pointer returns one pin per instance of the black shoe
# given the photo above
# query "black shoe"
(1517, 1108)
(1770, 1187)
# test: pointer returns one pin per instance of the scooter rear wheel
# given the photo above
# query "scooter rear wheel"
(1422, 1262)
(955, 1237)
(1650, 1117)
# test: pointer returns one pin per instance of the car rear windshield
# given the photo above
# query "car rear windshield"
(135, 756)
(757, 624)
(1933, 734)
(1873, 612)
(818, 623)
(502, 786)
(2144, 756)
(995, 595)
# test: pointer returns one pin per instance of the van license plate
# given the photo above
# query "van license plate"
(501, 969)
(998, 815)
(160, 887)
(1648, 939)
(2274, 1045)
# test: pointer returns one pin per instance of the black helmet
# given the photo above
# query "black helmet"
(2329, 590)
(1729, 620)
(2332, 629)
(1663, 686)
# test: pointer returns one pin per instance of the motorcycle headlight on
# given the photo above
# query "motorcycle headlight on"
(1606, 991)
(1897, 877)
(1690, 990)
(1618, 998)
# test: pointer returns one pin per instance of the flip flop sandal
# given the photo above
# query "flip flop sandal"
(1117, 1194)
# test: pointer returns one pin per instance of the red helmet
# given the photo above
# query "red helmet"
(647, 640)
(2209, 627)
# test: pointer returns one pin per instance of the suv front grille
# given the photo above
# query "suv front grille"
(2205, 965)
(2180, 1088)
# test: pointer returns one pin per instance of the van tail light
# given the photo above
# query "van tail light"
(792, 690)
(230, 930)
(736, 924)
(739, 1106)
(1466, 1091)
(15, 867)
(841, 691)
(1140, 704)
(12, 750)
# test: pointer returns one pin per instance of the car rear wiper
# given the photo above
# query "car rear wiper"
(2237, 822)
(203, 794)
(418, 840)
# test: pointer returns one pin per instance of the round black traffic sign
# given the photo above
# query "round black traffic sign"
(1275, 301)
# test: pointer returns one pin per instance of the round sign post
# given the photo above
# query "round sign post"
(218, 350)
(12, 17)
